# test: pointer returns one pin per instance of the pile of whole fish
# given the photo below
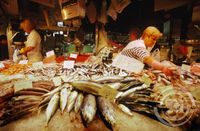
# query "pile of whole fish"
(33, 100)
(79, 72)
(24, 102)
(81, 91)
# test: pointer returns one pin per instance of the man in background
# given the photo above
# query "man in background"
(180, 53)
(134, 34)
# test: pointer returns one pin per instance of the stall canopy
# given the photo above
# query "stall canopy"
(135, 12)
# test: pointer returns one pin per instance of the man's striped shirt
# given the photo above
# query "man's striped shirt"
(136, 52)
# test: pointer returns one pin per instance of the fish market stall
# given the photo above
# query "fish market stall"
(96, 96)
(76, 88)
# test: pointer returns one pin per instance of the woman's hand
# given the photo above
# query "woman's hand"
(25, 50)
(22, 51)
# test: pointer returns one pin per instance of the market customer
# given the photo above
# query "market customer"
(180, 53)
(33, 44)
(134, 34)
(133, 57)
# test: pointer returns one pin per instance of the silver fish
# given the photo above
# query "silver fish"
(123, 73)
(54, 91)
(44, 102)
(119, 95)
(125, 109)
(128, 79)
(130, 85)
(159, 79)
(64, 94)
(27, 97)
(26, 92)
(87, 86)
(106, 111)
(71, 100)
(88, 109)
(128, 92)
(166, 81)
(156, 71)
(108, 79)
(52, 107)
(78, 103)
(37, 89)
(115, 86)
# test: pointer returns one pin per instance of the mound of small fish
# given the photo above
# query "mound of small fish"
(79, 72)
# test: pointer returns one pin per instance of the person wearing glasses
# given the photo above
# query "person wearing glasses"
(133, 57)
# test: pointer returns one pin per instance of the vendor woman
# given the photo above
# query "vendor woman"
(133, 57)
(33, 44)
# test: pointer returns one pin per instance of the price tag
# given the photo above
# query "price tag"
(23, 62)
(127, 63)
(68, 64)
(73, 56)
(108, 92)
(146, 80)
(22, 84)
(2, 65)
(185, 67)
(50, 53)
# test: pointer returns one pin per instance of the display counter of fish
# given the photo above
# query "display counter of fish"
(85, 90)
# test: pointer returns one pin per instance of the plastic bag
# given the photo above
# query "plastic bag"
(16, 56)
(156, 54)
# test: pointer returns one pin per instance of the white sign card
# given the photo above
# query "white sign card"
(73, 56)
(22, 84)
(128, 64)
(23, 62)
(68, 64)
(185, 67)
(50, 53)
